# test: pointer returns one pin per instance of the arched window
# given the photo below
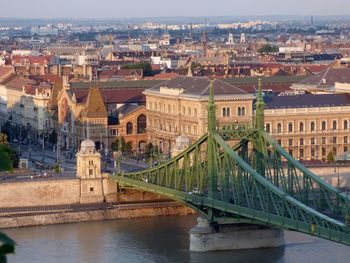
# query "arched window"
(279, 127)
(312, 126)
(334, 125)
(323, 126)
(268, 128)
(301, 126)
(129, 128)
(290, 127)
(239, 111)
(346, 125)
(243, 111)
(223, 112)
(141, 124)
(228, 112)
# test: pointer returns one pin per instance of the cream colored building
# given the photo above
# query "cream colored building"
(179, 107)
(310, 126)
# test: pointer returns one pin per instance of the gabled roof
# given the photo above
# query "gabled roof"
(328, 77)
(94, 106)
(198, 87)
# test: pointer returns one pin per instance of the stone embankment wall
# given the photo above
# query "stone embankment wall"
(66, 192)
(74, 217)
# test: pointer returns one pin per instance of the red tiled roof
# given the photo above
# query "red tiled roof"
(113, 95)
(43, 60)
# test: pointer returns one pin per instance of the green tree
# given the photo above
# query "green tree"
(5, 163)
(115, 145)
(330, 157)
(128, 147)
(151, 150)
(11, 154)
(266, 49)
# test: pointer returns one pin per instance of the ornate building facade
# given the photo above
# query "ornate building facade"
(179, 107)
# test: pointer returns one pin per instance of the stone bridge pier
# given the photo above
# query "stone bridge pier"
(205, 237)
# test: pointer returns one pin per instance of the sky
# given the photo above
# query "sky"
(165, 8)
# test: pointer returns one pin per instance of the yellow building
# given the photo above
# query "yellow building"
(179, 107)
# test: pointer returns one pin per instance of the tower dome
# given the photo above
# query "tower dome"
(87, 146)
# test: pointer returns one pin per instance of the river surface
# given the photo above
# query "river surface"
(158, 239)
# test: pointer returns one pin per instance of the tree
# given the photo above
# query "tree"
(266, 49)
(151, 150)
(330, 157)
(3, 138)
(115, 145)
(14, 158)
(5, 163)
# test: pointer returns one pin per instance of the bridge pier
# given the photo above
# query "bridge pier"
(204, 237)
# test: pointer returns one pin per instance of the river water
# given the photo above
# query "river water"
(158, 239)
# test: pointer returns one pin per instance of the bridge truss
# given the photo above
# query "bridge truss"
(241, 175)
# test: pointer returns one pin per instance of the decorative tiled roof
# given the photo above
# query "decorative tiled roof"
(95, 106)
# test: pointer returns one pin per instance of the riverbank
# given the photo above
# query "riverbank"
(114, 212)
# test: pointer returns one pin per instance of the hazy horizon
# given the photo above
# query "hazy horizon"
(109, 9)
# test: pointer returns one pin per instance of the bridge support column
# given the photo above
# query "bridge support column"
(205, 237)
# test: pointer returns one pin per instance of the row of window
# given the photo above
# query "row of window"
(141, 125)
(313, 141)
(314, 152)
(171, 109)
(226, 111)
(323, 126)
(165, 126)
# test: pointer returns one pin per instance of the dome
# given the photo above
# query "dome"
(182, 142)
(87, 146)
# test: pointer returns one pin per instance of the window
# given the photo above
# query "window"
(290, 142)
(129, 129)
(141, 124)
(323, 151)
(345, 149)
(312, 126)
(228, 111)
(239, 111)
(290, 127)
(194, 112)
(290, 151)
(346, 125)
(334, 151)
(345, 139)
(301, 126)
(91, 162)
(243, 111)
(323, 126)
(91, 189)
(334, 139)
(189, 111)
(334, 125)
(301, 153)
(279, 141)
(268, 127)
(313, 152)
(279, 127)
(301, 141)
(169, 108)
(223, 112)
(91, 172)
(312, 140)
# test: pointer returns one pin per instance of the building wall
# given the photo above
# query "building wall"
(303, 142)
(171, 116)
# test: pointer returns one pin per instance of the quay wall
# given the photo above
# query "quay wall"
(95, 215)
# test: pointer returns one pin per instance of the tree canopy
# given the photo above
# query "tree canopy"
(265, 49)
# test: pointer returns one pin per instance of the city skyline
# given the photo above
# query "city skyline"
(110, 9)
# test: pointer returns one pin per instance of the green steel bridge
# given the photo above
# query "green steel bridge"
(239, 174)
